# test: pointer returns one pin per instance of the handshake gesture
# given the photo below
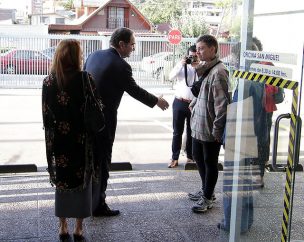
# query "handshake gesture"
(162, 103)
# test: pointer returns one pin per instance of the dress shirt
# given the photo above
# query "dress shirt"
(181, 89)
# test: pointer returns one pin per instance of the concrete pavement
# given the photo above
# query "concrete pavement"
(154, 207)
(152, 198)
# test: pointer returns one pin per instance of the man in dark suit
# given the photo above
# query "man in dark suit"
(113, 76)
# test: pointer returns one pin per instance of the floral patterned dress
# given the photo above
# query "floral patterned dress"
(69, 148)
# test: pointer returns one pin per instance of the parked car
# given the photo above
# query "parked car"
(134, 61)
(18, 61)
(159, 64)
(49, 52)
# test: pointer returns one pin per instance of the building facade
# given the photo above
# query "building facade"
(95, 17)
(205, 8)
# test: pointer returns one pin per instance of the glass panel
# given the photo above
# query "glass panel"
(116, 17)
(112, 18)
(112, 12)
(29, 54)
(60, 20)
(120, 17)
(255, 199)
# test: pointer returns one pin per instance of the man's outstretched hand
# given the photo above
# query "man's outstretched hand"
(162, 103)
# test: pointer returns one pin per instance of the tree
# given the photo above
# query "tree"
(137, 2)
(235, 29)
(227, 7)
(159, 11)
(190, 25)
(67, 4)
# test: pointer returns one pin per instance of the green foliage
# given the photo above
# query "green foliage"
(190, 25)
(67, 4)
(137, 2)
(160, 11)
(223, 4)
(235, 29)
(229, 8)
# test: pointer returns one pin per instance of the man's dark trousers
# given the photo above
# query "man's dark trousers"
(103, 151)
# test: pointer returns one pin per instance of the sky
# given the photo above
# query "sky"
(17, 4)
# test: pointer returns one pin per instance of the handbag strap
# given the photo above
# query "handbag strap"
(86, 82)
(204, 75)
(84, 75)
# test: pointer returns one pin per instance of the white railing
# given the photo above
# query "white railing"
(31, 60)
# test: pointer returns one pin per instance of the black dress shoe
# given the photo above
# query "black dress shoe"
(79, 238)
(105, 211)
(65, 237)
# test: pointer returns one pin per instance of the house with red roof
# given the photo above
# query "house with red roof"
(102, 17)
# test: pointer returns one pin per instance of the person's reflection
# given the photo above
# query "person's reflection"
(252, 137)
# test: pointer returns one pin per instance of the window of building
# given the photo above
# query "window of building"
(116, 17)
(45, 20)
(210, 14)
(196, 4)
(209, 6)
(59, 21)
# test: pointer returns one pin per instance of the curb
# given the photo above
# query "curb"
(121, 166)
(117, 166)
(192, 166)
(18, 168)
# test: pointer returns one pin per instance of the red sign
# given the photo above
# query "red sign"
(175, 36)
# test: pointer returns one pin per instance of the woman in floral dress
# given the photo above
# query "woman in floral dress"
(69, 148)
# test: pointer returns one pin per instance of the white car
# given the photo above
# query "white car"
(159, 64)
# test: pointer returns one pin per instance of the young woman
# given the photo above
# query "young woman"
(69, 148)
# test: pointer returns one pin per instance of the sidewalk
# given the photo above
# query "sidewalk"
(152, 198)
(140, 129)
(143, 134)
(153, 204)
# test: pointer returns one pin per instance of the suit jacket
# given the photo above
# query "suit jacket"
(113, 76)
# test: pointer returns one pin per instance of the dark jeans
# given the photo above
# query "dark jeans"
(206, 155)
(181, 113)
(103, 151)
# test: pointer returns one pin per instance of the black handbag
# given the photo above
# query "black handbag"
(196, 87)
(94, 119)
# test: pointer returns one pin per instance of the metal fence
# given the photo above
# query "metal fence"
(26, 59)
